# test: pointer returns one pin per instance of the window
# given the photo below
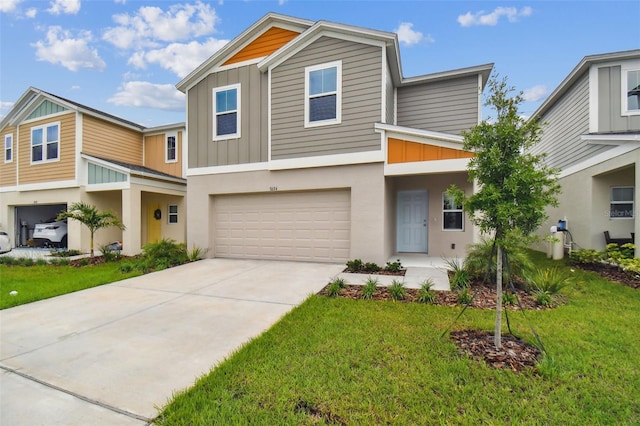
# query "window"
(621, 204)
(173, 213)
(633, 91)
(323, 94)
(171, 149)
(452, 216)
(8, 148)
(226, 107)
(45, 143)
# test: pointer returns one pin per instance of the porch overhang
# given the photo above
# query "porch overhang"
(410, 151)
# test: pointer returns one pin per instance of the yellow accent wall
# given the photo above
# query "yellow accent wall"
(154, 155)
(8, 170)
(267, 43)
(108, 140)
(64, 169)
(400, 151)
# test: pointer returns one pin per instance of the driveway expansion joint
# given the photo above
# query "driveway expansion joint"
(76, 395)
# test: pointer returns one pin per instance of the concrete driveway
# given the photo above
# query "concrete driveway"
(116, 353)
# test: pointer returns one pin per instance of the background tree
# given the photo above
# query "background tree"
(515, 186)
(93, 219)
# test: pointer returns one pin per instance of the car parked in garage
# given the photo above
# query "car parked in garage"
(52, 233)
(5, 242)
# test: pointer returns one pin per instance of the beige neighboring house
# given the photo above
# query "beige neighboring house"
(58, 152)
(591, 132)
(307, 142)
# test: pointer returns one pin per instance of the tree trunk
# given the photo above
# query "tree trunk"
(498, 331)
(91, 244)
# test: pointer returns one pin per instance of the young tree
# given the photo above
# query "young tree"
(91, 218)
(515, 186)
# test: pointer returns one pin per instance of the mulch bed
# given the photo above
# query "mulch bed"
(514, 354)
(612, 273)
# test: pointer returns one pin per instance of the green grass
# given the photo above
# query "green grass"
(44, 281)
(333, 361)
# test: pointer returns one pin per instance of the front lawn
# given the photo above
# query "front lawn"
(38, 282)
(342, 361)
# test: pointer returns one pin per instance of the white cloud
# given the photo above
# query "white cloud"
(534, 93)
(68, 7)
(151, 25)
(481, 18)
(9, 5)
(143, 94)
(120, 1)
(31, 13)
(179, 58)
(6, 105)
(75, 87)
(72, 53)
(408, 36)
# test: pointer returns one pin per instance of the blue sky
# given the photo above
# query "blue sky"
(124, 57)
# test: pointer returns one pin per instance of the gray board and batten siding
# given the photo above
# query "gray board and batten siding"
(361, 101)
(563, 125)
(610, 118)
(447, 106)
(252, 145)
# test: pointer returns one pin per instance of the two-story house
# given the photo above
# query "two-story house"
(306, 142)
(57, 152)
(591, 133)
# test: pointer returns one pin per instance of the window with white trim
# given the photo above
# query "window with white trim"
(8, 148)
(172, 213)
(621, 204)
(632, 91)
(45, 143)
(226, 112)
(452, 215)
(323, 94)
(171, 148)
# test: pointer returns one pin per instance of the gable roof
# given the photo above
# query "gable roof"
(310, 31)
(247, 36)
(582, 67)
(33, 97)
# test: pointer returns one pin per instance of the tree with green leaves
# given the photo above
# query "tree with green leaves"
(514, 185)
(93, 219)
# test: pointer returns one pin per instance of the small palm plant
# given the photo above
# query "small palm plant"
(92, 218)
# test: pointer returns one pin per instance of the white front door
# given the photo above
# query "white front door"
(412, 221)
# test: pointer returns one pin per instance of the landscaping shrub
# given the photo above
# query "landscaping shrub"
(337, 284)
(110, 254)
(164, 254)
(549, 280)
(464, 297)
(369, 288)
(586, 256)
(397, 291)
(425, 292)
(394, 266)
(461, 278)
(479, 256)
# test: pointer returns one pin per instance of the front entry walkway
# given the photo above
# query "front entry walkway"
(114, 354)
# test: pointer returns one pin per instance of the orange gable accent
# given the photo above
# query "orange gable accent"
(400, 151)
(270, 41)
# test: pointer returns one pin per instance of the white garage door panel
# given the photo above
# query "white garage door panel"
(313, 226)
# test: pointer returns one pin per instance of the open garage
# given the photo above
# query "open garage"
(303, 226)
(26, 217)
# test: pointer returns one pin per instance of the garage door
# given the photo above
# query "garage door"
(305, 226)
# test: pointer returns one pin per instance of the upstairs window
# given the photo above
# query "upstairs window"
(633, 91)
(45, 143)
(452, 215)
(8, 148)
(171, 149)
(226, 107)
(621, 204)
(323, 94)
